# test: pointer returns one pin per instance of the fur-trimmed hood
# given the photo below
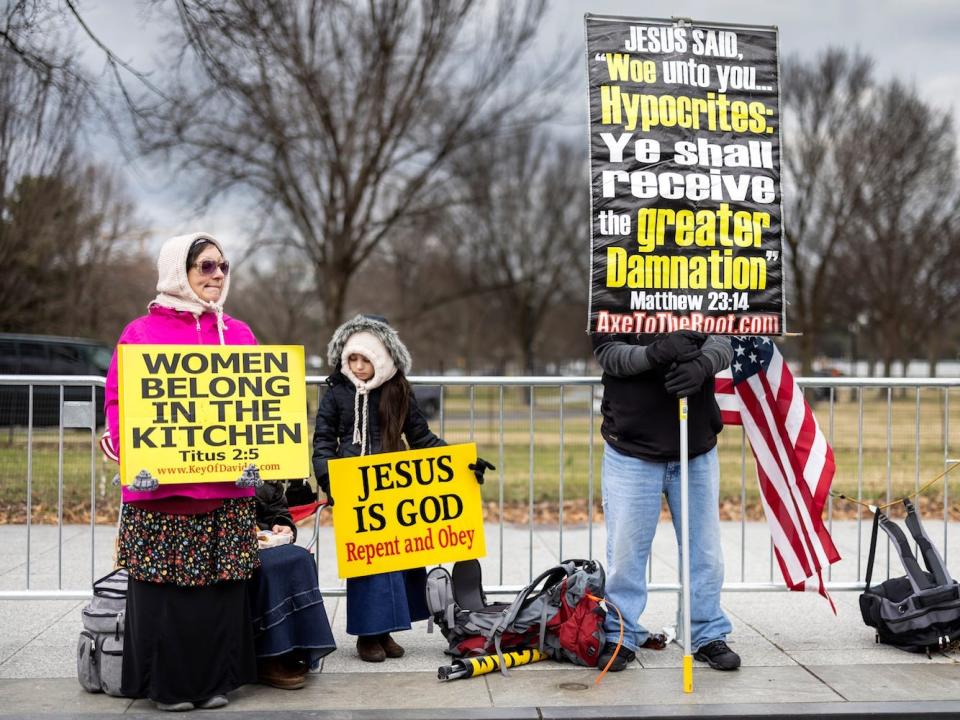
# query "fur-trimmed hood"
(383, 332)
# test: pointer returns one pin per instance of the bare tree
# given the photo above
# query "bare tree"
(454, 283)
(40, 36)
(276, 298)
(525, 230)
(104, 239)
(340, 118)
(29, 36)
(38, 131)
(63, 222)
(937, 302)
(903, 265)
(38, 123)
(66, 235)
(823, 104)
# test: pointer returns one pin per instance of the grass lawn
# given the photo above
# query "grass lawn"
(895, 456)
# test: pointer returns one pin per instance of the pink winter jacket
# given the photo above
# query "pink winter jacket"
(164, 326)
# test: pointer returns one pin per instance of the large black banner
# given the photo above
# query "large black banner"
(685, 177)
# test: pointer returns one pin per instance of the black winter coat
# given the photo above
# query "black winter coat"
(333, 435)
(640, 417)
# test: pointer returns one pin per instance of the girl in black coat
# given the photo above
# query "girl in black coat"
(368, 408)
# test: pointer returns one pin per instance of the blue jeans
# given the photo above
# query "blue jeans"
(631, 504)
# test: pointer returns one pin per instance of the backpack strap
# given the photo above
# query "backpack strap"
(543, 625)
(496, 646)
(439, 597)
(931, 558)
(527, 595)
(112, 585)
(918, 580)
(548, 578)
(873, 546)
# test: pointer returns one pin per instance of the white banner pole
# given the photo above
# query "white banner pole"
(684, 548)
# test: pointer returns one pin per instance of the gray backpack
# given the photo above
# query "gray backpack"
(559, 613)
(100, 650)
(919, 611)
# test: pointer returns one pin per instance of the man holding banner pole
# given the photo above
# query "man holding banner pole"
(686, 248)
(643, 376)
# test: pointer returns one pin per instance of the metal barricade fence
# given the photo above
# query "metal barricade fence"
(74, 414)
(542, 433)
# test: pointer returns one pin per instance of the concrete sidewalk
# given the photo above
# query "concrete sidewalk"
(799, 660)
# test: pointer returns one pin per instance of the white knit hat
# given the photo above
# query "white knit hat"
(173, 286)
(377, 327)
(372, 348)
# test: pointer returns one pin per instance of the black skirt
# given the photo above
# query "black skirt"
(187, 643)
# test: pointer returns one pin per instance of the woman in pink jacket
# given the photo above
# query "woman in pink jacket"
(189, 548)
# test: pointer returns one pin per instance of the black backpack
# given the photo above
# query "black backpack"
(920, 611)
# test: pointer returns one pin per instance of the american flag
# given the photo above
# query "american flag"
(795, 465)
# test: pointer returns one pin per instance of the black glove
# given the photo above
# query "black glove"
(687, 377)
(480, 467)
(679, 346)
(329, 499)
(697, 337)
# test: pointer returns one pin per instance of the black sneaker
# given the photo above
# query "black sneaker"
(624, 657)
(718, 655)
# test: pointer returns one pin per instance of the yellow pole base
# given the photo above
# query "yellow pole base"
(688, 673)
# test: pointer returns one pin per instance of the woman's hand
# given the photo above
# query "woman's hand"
(282, 530)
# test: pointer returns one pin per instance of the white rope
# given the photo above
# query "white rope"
(360, 414)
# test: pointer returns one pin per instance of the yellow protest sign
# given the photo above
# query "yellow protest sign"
(206, 413)
(396, 511)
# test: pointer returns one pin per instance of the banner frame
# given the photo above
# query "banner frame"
(680, 22)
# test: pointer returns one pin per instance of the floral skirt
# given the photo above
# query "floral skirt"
(190, 550)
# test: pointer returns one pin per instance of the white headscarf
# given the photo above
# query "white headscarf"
(372, 348)
(173, 287)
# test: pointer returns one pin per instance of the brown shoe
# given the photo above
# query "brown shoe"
(369, 650)
(390, 646)
(274, 672)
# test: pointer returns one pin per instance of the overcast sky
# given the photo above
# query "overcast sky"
(914, 41)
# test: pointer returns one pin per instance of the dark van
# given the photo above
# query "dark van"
(48, 355)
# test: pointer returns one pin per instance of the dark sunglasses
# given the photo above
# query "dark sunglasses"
(209, 267)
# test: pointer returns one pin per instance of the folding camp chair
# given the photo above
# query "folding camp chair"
(303, 512)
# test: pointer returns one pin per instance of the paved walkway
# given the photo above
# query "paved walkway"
(799, 660)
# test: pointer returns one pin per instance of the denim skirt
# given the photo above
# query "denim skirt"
(387, 602)
(287, 608)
